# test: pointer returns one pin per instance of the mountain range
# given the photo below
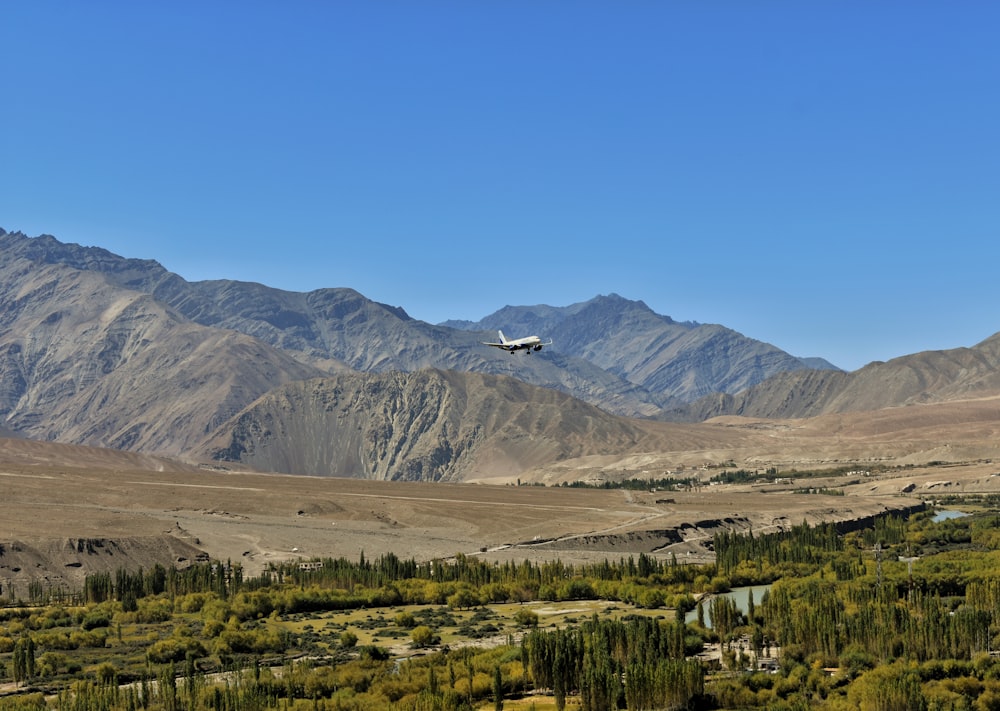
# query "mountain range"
(101, 350)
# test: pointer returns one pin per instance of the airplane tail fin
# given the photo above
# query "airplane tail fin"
(502, 339)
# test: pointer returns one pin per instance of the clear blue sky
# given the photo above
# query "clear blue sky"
(824, 176)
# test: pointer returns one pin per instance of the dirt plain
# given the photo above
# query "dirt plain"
(66, 511)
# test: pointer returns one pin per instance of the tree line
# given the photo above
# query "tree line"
(906, 614)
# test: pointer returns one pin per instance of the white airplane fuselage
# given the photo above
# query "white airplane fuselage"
(528, 343)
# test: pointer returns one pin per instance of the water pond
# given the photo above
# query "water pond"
(741, 596)
(944, 515)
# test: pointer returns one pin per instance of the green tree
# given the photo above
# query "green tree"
(24, 659)
(423, 636)
(167, 688)
(893, 687)
(107, 674)
(463, 599)
(497, 688)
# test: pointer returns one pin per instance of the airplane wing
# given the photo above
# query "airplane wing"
(495, 345)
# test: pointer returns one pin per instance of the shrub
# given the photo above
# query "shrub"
(95, 620)
(423, 636)
(526, 618)
(174, 649)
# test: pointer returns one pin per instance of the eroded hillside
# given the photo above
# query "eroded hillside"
(431, 425)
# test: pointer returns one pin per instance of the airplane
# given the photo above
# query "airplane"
(528, 344)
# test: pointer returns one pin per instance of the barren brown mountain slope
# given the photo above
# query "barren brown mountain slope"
(106, 351)
(85, 361)
(431, 425)
(679, 361)
(329, 329)
(926, 377)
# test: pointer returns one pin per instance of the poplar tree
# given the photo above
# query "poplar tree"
(24, 659)
(497, 689)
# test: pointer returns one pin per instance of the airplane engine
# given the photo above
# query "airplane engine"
(538, 347)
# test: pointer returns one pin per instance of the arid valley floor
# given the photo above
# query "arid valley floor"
(68, 510)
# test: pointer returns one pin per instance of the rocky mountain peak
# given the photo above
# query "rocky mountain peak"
(46, 249)
(101, 350)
